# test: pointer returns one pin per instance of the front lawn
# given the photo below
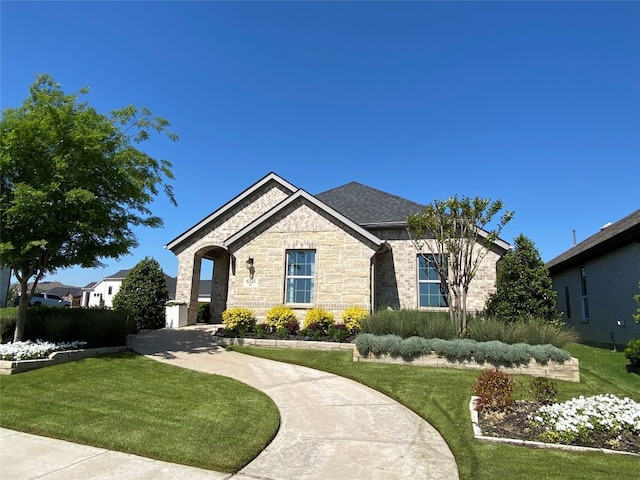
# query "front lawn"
(441, 396)
(131, 404)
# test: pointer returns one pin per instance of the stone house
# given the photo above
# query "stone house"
(276, 244)
(596, 281)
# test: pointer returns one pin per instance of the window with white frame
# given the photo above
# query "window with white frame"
(431, 291)
(585, 299)
(301, 269)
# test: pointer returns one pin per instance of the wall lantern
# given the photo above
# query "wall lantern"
(252, 270)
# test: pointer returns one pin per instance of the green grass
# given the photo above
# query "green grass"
(131, 404)
(441, 396)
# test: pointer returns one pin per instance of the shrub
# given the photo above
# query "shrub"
(204, 312)
(143, 294)
(523, 286)
(338, 332)
(352, 317)
(409, 323)
(414, 347)
(632, 351)
(279, 315)
(494, 389)
(543, 389)
(531, 331)
(8, 317)
(238, 319)
(364, 343)
(98, 327)
(318, 316)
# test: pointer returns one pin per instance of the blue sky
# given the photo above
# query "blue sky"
(535, 103)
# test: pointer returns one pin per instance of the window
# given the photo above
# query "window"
(431, 291)
(301, 269)
(585, 299)
(567, 301)
(110, 290)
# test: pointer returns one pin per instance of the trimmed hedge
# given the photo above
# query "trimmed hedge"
(99, 327)
(458, 349)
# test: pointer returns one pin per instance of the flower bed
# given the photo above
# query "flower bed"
(24, 356)
(602, 422)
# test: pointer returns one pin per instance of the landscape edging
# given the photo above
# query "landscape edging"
(10, 367)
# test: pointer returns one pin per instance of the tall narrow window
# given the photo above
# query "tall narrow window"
(585, 299)
(432, 293)
(301, 269)
(567, 301)
(110, 290)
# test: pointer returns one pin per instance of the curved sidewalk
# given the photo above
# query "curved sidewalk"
(331, 428)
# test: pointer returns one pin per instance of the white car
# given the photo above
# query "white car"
(47, 300)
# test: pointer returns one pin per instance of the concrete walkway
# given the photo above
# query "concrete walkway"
(331, 428)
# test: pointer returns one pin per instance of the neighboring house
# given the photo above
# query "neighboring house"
(101, 293)
(596, 281)
(276, 244)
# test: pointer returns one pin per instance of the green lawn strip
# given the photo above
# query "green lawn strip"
(131, 404)
(441, 396)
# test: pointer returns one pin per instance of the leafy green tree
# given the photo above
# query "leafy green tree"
(143, 294)
(452, 236)
(523, 286)
(73, 184)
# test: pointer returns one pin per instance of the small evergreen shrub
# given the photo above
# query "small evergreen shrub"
(238, 319)
(352, 317)
(279, 315)
(543, 389)
(459, 349)
(632, 351)
(318, 316)
(143, 294)
(364, 343)
(494, 389)
(414, 347)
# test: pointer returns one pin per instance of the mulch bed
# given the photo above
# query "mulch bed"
(513, 423)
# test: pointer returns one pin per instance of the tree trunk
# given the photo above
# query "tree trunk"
(18, 333)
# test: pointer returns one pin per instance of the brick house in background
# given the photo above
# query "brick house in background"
(276, 244)
(596, 281)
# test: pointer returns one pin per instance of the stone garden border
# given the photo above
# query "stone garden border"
(568, 371)
(477, 433)
(10, 367)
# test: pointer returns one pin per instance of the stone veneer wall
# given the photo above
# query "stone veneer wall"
(397, 275)
(190, 252)
(343, 264)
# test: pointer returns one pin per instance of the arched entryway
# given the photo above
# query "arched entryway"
(211, 284)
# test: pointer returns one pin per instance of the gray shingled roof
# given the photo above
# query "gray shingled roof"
(367, 206)
(610, 238)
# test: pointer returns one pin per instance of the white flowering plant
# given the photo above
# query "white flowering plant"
(576, 419)
(29, 350)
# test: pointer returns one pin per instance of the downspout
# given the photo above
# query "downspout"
(373, 284)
